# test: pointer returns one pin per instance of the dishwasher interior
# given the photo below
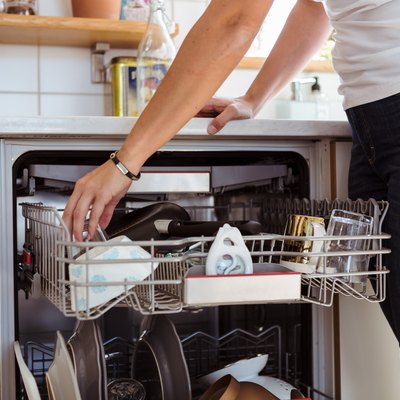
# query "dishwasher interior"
(262, 186)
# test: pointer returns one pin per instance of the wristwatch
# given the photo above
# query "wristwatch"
(122, 168)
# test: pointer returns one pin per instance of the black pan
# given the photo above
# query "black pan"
(181, 228)
(85, 347)
(139, 224)
(158, 361)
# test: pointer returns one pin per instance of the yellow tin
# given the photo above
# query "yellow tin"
(123, 78)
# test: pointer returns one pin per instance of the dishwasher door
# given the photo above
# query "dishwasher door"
(213, 184)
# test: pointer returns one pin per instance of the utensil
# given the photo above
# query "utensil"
(85, 347)
(158, 361)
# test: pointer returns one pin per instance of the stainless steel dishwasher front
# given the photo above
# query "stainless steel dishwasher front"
(47, 141)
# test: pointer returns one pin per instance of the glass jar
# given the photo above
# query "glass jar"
(155, 54)
(21, 7)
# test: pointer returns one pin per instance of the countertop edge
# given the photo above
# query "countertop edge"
(119, 127)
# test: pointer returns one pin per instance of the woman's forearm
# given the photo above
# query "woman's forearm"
(306, 29)
(211, 50)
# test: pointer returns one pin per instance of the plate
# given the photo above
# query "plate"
(30, 384)
(85, 347)
(158, 361)
(60, 377)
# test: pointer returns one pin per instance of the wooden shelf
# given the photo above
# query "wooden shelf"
(68, 31)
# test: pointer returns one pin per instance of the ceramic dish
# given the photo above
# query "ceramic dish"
(248, 370)
(85, 347)
(60, 377)
(242, 370)
(158, 361)
(106, 269)
(281, 389)
(31, 388)
(228, 388)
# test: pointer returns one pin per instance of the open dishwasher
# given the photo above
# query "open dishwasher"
(226, 178)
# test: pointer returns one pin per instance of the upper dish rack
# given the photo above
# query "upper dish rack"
(168, 286)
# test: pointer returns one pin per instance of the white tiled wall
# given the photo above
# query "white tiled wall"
(51, 81)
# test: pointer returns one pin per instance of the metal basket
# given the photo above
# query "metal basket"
(162, 291)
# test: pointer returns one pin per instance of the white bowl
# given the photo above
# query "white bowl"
(248, 370)
(110, 271)
(279, 388)
(242, 370)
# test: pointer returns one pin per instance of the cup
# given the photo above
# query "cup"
(349, 225)
(303, 225)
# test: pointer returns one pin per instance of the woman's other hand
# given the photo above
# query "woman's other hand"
(225, 110)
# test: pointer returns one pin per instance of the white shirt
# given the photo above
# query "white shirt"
(367, 50)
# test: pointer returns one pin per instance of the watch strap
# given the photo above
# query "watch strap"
(114, 158)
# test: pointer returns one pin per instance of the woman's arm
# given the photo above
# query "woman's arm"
(211, 50)
(306, 29)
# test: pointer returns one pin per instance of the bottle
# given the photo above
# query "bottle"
(321, 104)
(155, 54)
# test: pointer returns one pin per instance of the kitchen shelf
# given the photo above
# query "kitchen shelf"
(70, 31)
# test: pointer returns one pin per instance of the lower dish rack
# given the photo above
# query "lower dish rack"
(166, 276)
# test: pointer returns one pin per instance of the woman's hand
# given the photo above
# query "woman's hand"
(99, 191)
(225, 110)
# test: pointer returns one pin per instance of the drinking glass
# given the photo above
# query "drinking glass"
(347, 225)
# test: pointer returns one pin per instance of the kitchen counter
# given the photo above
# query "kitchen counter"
(119, 127)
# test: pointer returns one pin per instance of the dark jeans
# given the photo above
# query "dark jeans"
(375, 173)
